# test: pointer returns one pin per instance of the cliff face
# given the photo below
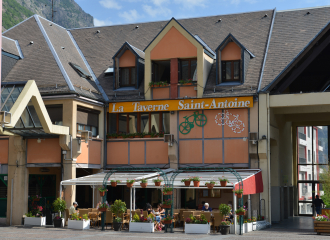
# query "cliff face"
(68, 13)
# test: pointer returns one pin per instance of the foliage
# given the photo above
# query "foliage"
(14, 13)
(117, 181)
(74, 216)
(85, 217)
(167, 202)
(118, 207)
(224, 209)
(167, 189)
(225, 223)
(103, 189)
(211, 182)
(197, 220)
(241, 209)
(254, 219)
(157, 180)
(29, 214)
(151, 84)
(35, 208)
(168, 218)
(143, 180)
(322, 218)
(325, 180)
(223, 180)
(118, 220)
(238, 191)
(103, 205)
(186, 180)
(130, 181)
(196, 179)
(136, 218)
(59, 205)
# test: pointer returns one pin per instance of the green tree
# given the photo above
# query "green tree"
(325, 180)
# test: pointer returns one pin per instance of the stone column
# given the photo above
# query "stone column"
(19, 175)
(174, 78)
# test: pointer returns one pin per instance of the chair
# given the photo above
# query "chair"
(196, 213)
(186, 214)
(208, 217)
(109, 218)
(145, 214)
(125, 220)
(82, 212)
(93, 216)
(66, 216)
(177, 218)
(94, 210)
(217, 220)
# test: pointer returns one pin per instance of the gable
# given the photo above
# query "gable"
(231, 52)
(173, 45)
(127, 59)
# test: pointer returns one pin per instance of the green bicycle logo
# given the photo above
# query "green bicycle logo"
(186, 126)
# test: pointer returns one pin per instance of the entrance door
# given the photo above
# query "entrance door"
(3, 195)
(312, 160)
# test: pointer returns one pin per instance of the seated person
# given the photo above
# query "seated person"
(206, 208)
(72, 209)
(161, 210)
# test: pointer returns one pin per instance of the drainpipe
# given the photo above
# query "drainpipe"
(268, 160)
(105, 137)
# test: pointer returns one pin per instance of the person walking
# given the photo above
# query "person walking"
(318, 203)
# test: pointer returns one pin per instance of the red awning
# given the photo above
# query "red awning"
(252, 184)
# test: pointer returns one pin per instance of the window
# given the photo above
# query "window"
(310, 178)
(127, 76)
(309, 156)
(161, 71)
(139, 122)
(82, 73)
(88, 120)
(55, 113)
(309, 132)
(188, 69)
(230, 71)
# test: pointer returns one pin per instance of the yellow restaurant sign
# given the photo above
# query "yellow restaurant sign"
(181, 104)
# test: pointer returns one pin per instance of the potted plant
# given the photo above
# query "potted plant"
(144, 183)
(168, 190)
(223, 182)
(181, 82)
(147, 135)
(114, 183)
(59, 206)
(142, 224)
(224, 209)
(102, 207)
(157, 182)
(76, 222)
(129, 183)
(161, 134)
(151, 84)
(153, 135)
(240, 211)
(322, 223)
(34, 217)
(210, 184)
(168, 219)
(196, 181)
(118, 207)
(195, 224)
(167, 203)
(186, 181)
(188, 82)
(224, 227)
(102, 190)
(239, 193)
(120, 135)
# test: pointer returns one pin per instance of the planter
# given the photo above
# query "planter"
(210, 186)
(196, 183)
(197, 228)
(321, 227)
(141, 227)
(58, 223)
(239, 195)
(155, 85)
(147, 136)
(167, 221)
(102, 194)
(241, 213)
(137, 137)
(129, 185)
(223, 183)
(166, 206)
(102, 209)
(81, 225)
(35, 221)
(187, 84)
(187, 183)
(237, 229)
(168, 193)
(144, 185)
(113, 184)
(254, 226)
(117, 226)
(224, 229)
(249, 227)
(157, 184)
(120, 137)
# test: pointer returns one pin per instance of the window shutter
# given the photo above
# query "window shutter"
(82, 117)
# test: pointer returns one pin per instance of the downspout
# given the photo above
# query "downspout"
(268, 160)
(105, 137)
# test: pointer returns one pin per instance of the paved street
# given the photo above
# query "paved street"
(294, 228)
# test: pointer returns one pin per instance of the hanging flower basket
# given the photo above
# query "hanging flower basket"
(223, 183)
(129, 185)
(144, 185)
(168, 193)
(157, 184)
(113, 184)
(167, 221)
(102, 209)
(166, 206)
(239, 195)
(240, 213)
(187, 183)
(102, 194)
(210, 185)
(196, 183)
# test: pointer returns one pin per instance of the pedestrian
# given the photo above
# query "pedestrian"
(318, 203)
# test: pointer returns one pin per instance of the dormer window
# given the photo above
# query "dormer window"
(127, 76)
(230, 71)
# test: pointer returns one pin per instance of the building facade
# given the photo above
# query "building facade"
(220, 87)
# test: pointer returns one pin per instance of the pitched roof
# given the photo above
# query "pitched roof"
(251, 29)
(293, 30)
(11, 46)
(231, 37)
(136, 51)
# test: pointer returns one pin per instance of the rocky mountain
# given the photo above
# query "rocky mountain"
(68, 13)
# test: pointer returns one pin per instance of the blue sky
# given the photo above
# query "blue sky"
(111, 12)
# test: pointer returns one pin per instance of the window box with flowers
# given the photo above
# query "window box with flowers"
(322, 224)
(194, 224)
(240, 211)
(142, 224)
(114, 183)
(81, 223)
(102, 191)
(248, 225)
(34, 217)
(239, 193)
(168, 219)
(167, 203)
(167, 190)
(157, 182)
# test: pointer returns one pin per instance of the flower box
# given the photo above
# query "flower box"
(166, 206)
(168, 193)
(197, 228)
(237, 228)
(254, 226)
(77, 224)
(141, 227)
(35, 221)
(321, 227)
(167, 221)
(249, 227)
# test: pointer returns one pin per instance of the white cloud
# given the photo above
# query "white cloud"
(157, 11)
(98, 22)
(110, 4)
(159, 2)
(237, 2)
(192, 3)
(130, 16)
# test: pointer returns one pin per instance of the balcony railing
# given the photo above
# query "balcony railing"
(302, 135)
(302, 161)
